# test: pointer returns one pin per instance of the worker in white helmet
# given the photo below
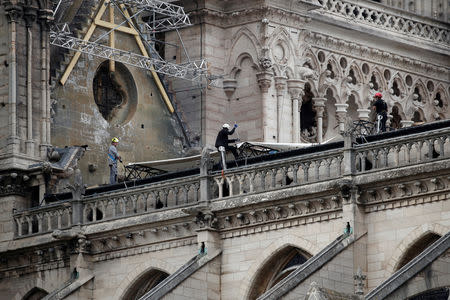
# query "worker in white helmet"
(113, 157)
(222, 139)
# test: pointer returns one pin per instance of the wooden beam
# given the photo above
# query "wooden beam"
(158, 82)
(88, 35)
(112, 65)
(109, 25)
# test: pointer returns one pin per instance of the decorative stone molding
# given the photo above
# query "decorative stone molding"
(264, 80)
(418, 27)
(326, 207)
(406, 194)
(229, 86)
(31, 260)
(125, 251)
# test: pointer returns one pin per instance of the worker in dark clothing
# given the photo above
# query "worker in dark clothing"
(223, 141)
(380, 107)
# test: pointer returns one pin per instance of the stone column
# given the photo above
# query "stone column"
(295, 89)
(319, 105)
(363, 114)
(45, 17)
(13, 12)
(264, 82)
(30, 17)
(280, 86)
(341, 113)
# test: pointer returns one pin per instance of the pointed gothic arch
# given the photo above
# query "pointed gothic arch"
(144, 284)
(314, 62)
(279, 266)
(397, 87)
(238, 64)
(440, 98)
(355, 71)
(270, 252)
(139, 272)
(380, 80)
(410, 239)
(282, 48)
(35, 294)
(419, 88)
(239, 36)
(333, 66)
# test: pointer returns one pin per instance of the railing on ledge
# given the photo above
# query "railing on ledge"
(409, 150)
(279, 174)
(107, 206)
(405, 147)
(44, 219)
(171, 193)
(373, 14)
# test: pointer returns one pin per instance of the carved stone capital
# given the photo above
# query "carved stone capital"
(30, 15)
(319, 105)
(264, 81)
(13, 11)
(296, 88)
(280, 83)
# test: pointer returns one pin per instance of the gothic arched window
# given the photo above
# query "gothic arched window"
(144, 284)
(278, 267)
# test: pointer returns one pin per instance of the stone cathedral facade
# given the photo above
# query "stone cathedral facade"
(348, 218)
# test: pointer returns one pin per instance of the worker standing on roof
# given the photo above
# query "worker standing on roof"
(223, 141)
(113, 157)
(380, 107)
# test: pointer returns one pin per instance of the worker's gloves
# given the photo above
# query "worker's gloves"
(235, 125)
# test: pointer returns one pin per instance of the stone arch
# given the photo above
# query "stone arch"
(314, 62)
(378, 75)
(34, 294)
(325, 83)
(357, 72)
(332, 61)
(418, 115)
(268, 253)
(414, 236)
(238, 63)
(281, 40)
(397, 87)
(133, 276)
(28, 288)
(239, 36)
(419, 87)
(440, 104)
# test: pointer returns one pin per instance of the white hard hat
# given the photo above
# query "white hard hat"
(226, 126)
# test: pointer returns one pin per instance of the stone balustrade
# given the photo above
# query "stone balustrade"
(372, 14)
(408, 150)
(279, 174)
(410, 147)
(44, 219)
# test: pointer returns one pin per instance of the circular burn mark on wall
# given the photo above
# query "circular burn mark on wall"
(115, 93)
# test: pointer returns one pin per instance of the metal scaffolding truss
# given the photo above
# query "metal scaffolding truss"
(193, 70)
(165, 16)
(147, 16)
